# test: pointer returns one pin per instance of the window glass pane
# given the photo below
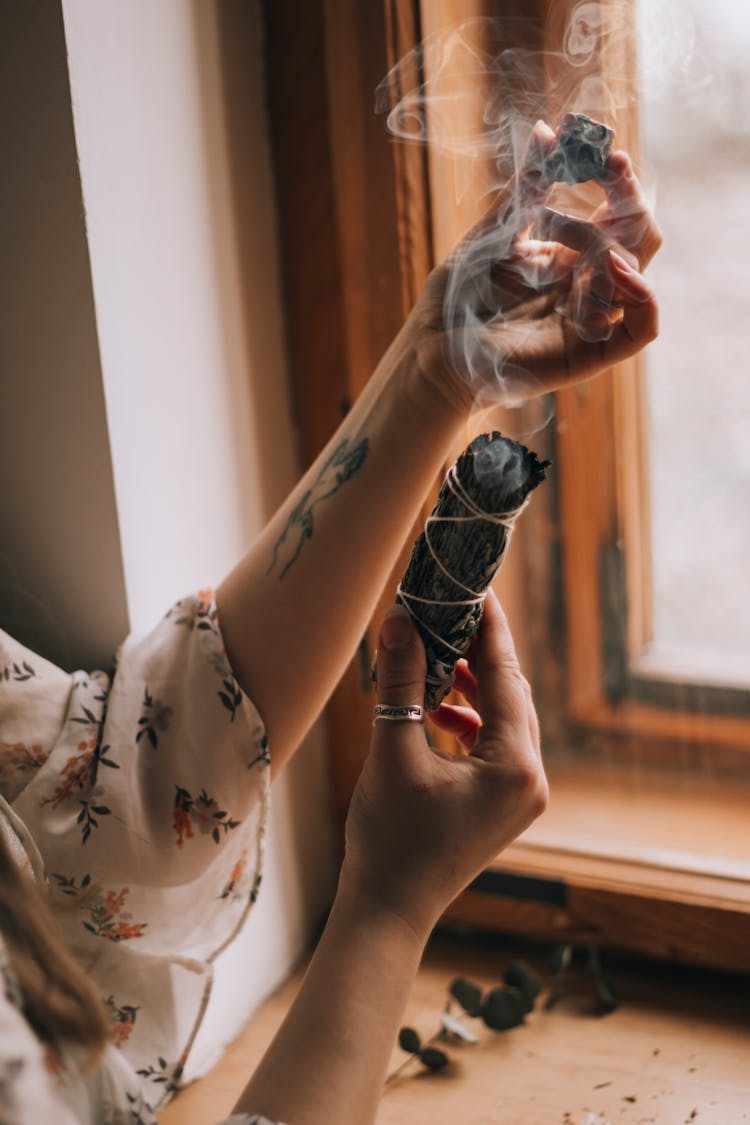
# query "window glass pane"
(695, 117)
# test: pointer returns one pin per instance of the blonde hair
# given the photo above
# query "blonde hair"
(56, 997)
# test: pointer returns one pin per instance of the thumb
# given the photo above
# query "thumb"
(401, 667)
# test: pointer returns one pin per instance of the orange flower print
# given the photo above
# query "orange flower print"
(81, 769)
(201, 812)
(74, 774)
(17, 762)
(182, 824)
(198, 612)
(106, 909)
(231, 885)
(107, 918)
(204, 601)
(115, 902)
(123, 1020)
(17, 757)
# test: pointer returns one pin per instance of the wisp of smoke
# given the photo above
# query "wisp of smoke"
(473, 64)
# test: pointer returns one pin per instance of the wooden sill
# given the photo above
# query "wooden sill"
(636, 859)
(674, 1052)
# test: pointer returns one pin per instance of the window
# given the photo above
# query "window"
(646, 837)
(693, 76)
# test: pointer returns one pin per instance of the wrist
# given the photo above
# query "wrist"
(370, 906)
(417, 364)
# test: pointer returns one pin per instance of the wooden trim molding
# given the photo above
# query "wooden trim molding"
(632, 904)
(355, 231)
(632, 859)
(655, 925)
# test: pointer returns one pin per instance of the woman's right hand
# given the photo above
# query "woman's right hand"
(532, 300)
(423, 823)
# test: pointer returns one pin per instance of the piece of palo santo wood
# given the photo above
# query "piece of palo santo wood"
(582, 150)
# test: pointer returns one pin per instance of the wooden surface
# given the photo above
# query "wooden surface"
(631, 858)
(675, 1051)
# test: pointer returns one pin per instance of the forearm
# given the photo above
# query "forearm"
(327, 1064)
(296, 607)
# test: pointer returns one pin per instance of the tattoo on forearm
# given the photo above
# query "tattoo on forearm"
(340, 467)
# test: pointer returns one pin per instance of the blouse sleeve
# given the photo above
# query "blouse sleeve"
(155, 770)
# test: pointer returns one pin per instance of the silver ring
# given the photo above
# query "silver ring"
(411, 713)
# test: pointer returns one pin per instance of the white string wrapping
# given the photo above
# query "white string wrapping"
(476, 597)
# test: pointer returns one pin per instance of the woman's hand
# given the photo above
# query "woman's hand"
(423, 823)
(532, 300)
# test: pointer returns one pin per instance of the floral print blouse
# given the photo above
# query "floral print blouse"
(139, 799)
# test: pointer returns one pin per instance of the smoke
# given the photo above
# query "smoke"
(517, 84)
(498, 459)
(476, 97)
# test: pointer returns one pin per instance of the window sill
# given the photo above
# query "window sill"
(629, 858)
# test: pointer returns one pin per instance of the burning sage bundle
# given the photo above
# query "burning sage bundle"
(464, 542)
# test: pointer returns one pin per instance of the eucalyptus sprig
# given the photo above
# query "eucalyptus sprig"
(503, 1007)
(500, 1008)
(432, 1058)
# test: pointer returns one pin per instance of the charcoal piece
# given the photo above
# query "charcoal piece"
(583, 148)
(456, 557)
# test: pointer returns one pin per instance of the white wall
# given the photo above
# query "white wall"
(175, 174)
(61, 576)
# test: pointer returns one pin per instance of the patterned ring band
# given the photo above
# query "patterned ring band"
(411, 713)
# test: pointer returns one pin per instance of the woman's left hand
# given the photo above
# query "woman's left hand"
(422, 823)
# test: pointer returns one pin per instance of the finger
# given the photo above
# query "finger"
(535, 267)
(577, 234)
(593, 305)
(629, 217)
(531, 184)
(522, 683)
(594, 300)
(638, 326)
(600, 288)
(401, 674)
(462, 722)
(503, 704)
(465, 682)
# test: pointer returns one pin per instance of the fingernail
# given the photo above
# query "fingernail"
(397, 631)
(619, 262)
(627, 278)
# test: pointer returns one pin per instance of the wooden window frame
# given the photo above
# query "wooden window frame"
(361, 221)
